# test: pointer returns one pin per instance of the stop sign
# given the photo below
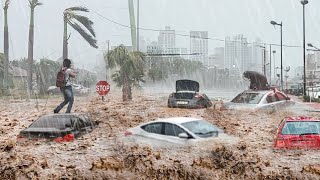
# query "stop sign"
(102, 88)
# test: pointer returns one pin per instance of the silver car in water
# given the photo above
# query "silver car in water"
(176, 130)
(259, 100)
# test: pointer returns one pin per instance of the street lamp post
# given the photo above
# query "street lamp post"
(270, 66)
(274, 23)
(274, 64)
(304, 2)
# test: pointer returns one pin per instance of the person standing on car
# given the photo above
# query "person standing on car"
(67, 89)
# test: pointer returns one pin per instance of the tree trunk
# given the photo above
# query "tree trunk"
(65, 39)
(6, 52)
(130, 92)
(125, 89)
(30, 52)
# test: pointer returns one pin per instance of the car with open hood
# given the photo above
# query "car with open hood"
(58, 127)
(298, 133)
(187, 95)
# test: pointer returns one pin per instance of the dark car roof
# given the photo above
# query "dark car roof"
(64, 114)
(187, 85)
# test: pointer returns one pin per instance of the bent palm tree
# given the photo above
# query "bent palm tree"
(32, 4)
(130, 67)
(71, 17)
(6, 46)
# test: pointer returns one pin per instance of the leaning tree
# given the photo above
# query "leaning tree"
(80, 23)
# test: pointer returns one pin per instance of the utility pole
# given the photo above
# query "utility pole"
(270, 63)
(138, 12)
(132, 25)
(264, 60)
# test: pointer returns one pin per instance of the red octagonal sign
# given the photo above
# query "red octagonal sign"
(102, 88)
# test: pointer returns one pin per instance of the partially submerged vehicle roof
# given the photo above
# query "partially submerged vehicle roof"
(301, 118)
(63, 114)
(187, 85)
(177, 120)
(257, 91)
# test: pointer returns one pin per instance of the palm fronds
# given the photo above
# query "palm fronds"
(78, 8)
(86, 36)
(86, 22)
(34, 3)
(6, 4)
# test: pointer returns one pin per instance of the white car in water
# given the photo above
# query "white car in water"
(177, 130)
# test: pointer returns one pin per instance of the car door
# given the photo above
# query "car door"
(154, 131)
(282, 101)
(272, 101)
(172, 131)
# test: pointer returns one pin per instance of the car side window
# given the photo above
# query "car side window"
(280, 96)
(172, 130)
(153, 128)
(271, 98)
(80, 124)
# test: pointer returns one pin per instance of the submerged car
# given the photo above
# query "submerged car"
(59, 127)
(177, 130)
(187, 96)
(297, 133)
(259, 100)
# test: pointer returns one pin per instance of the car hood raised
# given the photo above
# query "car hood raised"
(187, 85)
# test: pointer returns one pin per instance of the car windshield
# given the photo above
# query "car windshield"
(58, 122)
(301, 127)
(202, 128)
(248, 98)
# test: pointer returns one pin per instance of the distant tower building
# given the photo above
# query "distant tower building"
(217, 59)
(255, 56)
(236, 55)
(199, 45)
(167, 40)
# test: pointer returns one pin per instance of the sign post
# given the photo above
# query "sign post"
(103, 88)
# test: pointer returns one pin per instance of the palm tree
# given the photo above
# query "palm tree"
(130, 67)
(32, 4)
(46, 71)
(6, 45)
(71, 17)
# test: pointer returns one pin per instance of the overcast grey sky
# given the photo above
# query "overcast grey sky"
(219, 17)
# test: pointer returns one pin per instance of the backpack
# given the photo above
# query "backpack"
(61, 79)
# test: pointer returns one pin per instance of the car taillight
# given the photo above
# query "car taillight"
(280, 143)
(127, 133)
(66, 138)
(198, 96)
(20, 136)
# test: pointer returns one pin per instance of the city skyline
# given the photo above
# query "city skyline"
(220, 18)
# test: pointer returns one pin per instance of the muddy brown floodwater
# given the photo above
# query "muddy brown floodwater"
(106, 154)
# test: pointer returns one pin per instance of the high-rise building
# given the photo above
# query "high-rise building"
(217, 59)
(199, 46)
(167, 40)
(236, 55)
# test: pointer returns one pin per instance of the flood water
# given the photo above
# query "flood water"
(106, 153)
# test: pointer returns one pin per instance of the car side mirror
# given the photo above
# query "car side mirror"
(183, 135)
(287, 98)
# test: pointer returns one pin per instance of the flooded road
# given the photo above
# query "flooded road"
(106, 153)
